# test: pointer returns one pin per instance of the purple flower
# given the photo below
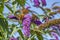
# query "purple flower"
(12, 38)
(43, 2)
(54, 27)
(28, 7)
(36, 3)
(37, 22)
(12, 17)
(26, 25)
(27, 16)
(55, 35)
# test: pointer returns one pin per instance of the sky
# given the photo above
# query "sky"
(49, 5)
(39, 11)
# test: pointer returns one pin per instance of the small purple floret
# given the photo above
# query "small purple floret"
(12, 17)
(12, 38)
(36, 3)
(37, 22)
(43, 2)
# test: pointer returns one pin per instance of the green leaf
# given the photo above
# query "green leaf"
(15, 29)
(1, 16)
(20, 32)
(41, 16)
(21, 2)
(0, 38)
(56, 7)
(32, 32)
(0, 34)
(6, 0)
(8, 6)
(32, 35)
(52, 13)
(4, 24)
(14, 2)
(48, 10)
(33, 38)
(39, 36)
(1, 7)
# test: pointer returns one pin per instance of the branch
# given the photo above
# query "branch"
(48, 24)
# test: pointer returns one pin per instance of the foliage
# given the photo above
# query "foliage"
(17, 14)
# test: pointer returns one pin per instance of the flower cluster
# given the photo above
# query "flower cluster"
(37, 3)
(55, 35)
(26, 25)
